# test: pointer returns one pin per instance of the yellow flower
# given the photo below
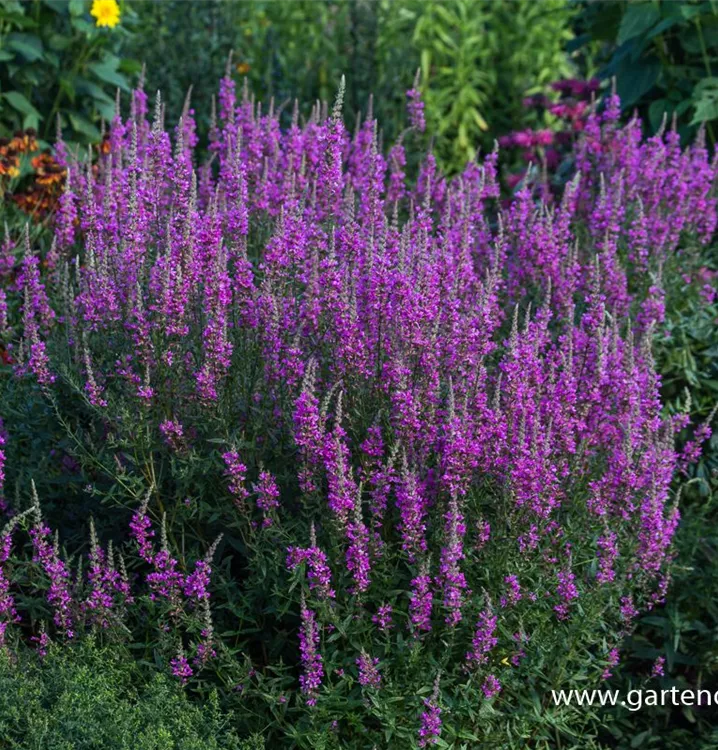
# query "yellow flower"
(107, 12)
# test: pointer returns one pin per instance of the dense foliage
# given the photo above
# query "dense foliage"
(663, 55)
(378, 458)
(93, 698)
(59, 65)
(300, 50)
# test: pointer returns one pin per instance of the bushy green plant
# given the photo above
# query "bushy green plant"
(366, 438)
(56, 62)
(478, 60)
(94, 697)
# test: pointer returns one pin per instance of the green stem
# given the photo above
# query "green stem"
(704, 50)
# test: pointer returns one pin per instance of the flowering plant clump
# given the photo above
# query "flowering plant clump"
(426, 426)
(31, 178)
(545, 149)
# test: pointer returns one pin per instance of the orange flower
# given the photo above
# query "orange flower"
(49, 172)
(24, 142)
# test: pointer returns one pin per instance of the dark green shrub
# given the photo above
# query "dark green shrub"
(91, 697)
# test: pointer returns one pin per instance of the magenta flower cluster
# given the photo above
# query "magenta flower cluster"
(457, 396)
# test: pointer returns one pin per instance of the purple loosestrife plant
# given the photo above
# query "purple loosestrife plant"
(318, 573)
(445, 408)
(8, 611)
(415, 106)
(180, 666)
(368, 671)
(312, 667)
(430, 730)
(47, 555)
(484, 639)
(421, 600)
(267, 496)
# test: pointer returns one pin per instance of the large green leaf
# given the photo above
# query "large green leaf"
(705, 100)
(83, 86)
(82, 125)
(639, 18)
(59, 6)
(27, 45)
(20, 103)
(669, 107)
(107, 71)
(664, 25)
(635, 79)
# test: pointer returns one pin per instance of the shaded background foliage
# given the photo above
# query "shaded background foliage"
(477, 57)
(663, 55)
(56, 65)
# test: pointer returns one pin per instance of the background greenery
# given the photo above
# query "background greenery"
(55, 63)
(478, 58)
(300, 49)
(662, 53)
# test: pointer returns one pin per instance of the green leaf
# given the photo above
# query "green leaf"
(635, 79)
(130, 67)
(59, 6)
(638, 19)
(107, 71)
(16, 19)
(705, 100)
(83, 86)
(21, 104)
(59, 42)
(665, 24)
(66, 85)
(656, 112)
(639, 739)
(28, 45)
(82, 125)
(690, 11)
(107, 111)
(30, 121)
(81, 24)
